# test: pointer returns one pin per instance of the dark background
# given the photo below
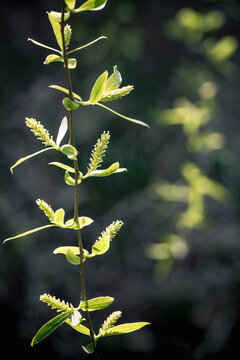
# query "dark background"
(190, 296)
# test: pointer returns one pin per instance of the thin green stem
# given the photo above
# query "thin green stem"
(76, 167)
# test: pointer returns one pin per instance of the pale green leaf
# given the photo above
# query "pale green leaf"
(60, 88)
(86, 45)
(52, 58)
(72, 63)
(114, 81)
(97, 303)
(113, 169)
(91, 5)
(76, 318)
(56, 28)
(89, 349)
(124, 328)
(69, 104)
(80, 328)
(28, 157)
(123, 116)
(62, 130)
(101, 246)
(70, 4)
(83, 221)
(50, 326)
(29, 232)
(98, 88)
(59, 217)
(57, 16)
(69, 150)
(44, 46)
(64, 249)
(63, 166)
(72, 258)
(69, 180)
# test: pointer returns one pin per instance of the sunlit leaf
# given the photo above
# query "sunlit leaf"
(29, 232)
(113, 169)
(101, 246)
(63, 166)
(83, 221)
(69, 150)
(70, 4)
(62, 130)
(56, 28)
(57, 16)
(60, 88)
(91, 5)
(97, 303)
(86, 45)
(80, 328)
(28, 157)
(52, 58)
(69, 180)
(98, 88)
(123, 116)
(114, 81)
(69, 104)
(89, 349)
(50, 326)
(72, 63)
(76, 318)
(44, 46)
(124, 328)
(59, 217)
(72, 258)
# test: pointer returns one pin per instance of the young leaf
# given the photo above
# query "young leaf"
(124, 328)
(70, 4)
(52, 58)
(29, 232)
(101, 246)
(62, 130)
(57, 16)
(114, 81)
(69, 150)
(64, 249)
(66, 91)
(98, 303)
(83, 221)
(50, 326)
(69, 104)
(113, 169)
(69, 180)
(56, 28)
(63, 166)
(28, 157)
(72, 63)
(91, 5)
(86, 45)
(72, 258)
(44, 46)
(89, 349)
(123, 116)
(59, 217)
(98, 88)
(76, 318)
(80, 328)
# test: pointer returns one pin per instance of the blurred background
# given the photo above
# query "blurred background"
(176, 261)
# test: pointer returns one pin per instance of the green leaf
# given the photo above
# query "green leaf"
(80, 328)
(56, 28)
(72, 258)
(60, 88)
(57, 16)
(29, 232)
(63, 166)
(50, 326)
(64, 249)
(62, 130)
(114, 80)
(69, 150)
(123, 116)
(28, 157)
(98, 88)
(124, 328)
(70, 4)
(113, 169)
(97, 303)
(70, 180)
(59, 217)
(52, 58)
(86, 45)
(69, 104)
(89, 349)
(91, 5)
(101, 246)
(83, 221)
(44, 46)
(72, 63)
